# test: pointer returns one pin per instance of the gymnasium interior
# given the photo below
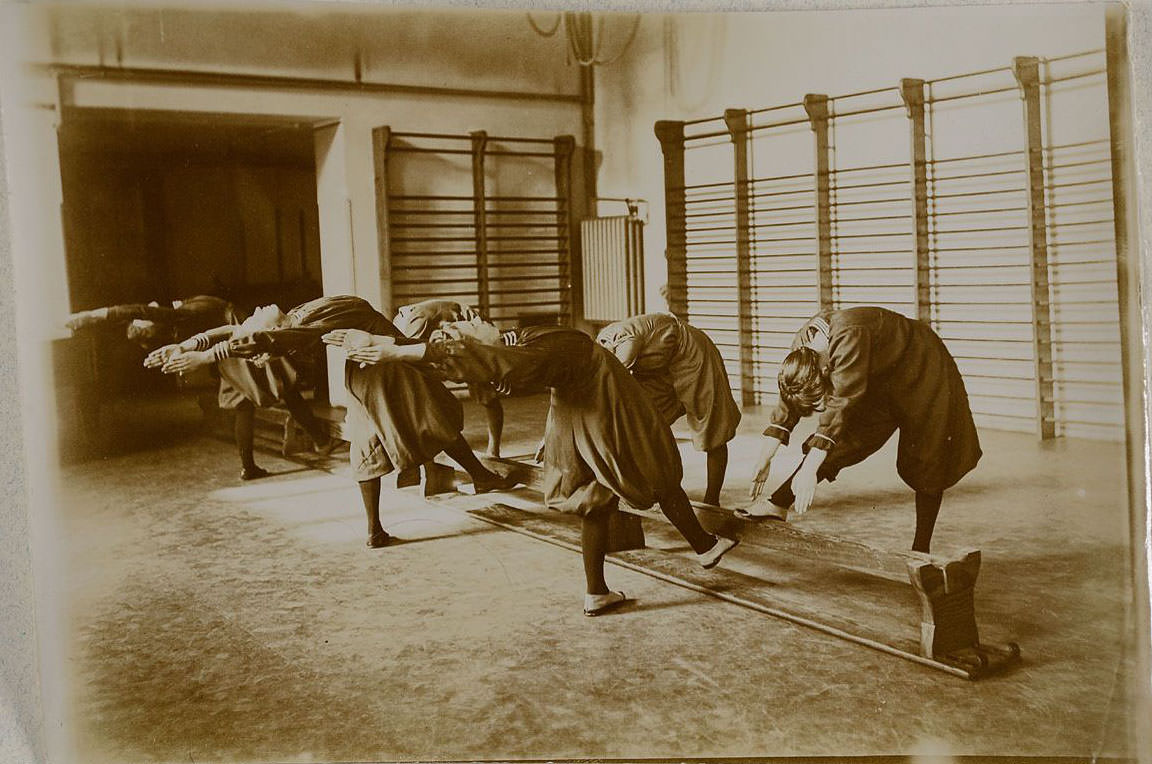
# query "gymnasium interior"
(968, 166)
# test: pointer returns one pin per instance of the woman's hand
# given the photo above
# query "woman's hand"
(356, 341)
(763, 466)
(357, 338)
(85, 318)
(187, 360)
(381, 349)
(804, 483)
(334, 337)
(160, 356)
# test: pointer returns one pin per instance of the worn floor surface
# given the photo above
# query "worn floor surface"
(211, 620)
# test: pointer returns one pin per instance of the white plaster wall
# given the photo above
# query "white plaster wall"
(690, 66)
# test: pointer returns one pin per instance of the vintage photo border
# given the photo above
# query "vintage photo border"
(22, 731)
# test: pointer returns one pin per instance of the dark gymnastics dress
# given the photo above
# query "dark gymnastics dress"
(400, 415)
(240, 380)
(605, 439)
(682, 370)
(890, 373)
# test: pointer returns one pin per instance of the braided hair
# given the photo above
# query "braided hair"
(803, 384)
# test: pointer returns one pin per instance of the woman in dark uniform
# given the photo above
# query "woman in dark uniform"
(243, 385)
(684, 373)
(419, 320)
(604, 440)
(871, 372)
(400, 416)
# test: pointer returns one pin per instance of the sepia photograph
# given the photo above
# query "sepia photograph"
(394, 382)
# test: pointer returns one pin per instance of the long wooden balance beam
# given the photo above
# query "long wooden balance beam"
(945, 584)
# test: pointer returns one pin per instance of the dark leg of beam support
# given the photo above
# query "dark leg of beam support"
(408, 478)
(438, 479)
(948, 630)
(625, 532)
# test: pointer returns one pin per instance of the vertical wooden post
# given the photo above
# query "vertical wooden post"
(737, 123)
(1027, 71)
(817, 108)
(912, 92)
(1129, 278)
(671, 137)
(381, 138)
(568, 233)
(480, 222)
(588, 136)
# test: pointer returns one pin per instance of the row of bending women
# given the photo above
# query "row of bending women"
(243, 386)
(605, 440)
(868, 371)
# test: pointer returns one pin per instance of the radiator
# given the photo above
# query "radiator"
(612, 256)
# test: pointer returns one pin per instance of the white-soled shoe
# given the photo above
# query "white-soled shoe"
(595, 604)
(763, 509)
(712, 557)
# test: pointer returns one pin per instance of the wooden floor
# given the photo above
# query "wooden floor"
(209, 619)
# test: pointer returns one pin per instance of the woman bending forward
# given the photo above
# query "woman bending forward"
(870, 372)
(680, 367)
(604, 440)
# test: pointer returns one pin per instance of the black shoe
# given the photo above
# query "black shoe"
(380, 539)
(253, 473)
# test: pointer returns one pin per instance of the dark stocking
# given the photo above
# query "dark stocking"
(370, 494)
(462, 454)
(593, 546)
(244, 430)
(494, 412)
(927, 507)
(678, 509)
(717, 466)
